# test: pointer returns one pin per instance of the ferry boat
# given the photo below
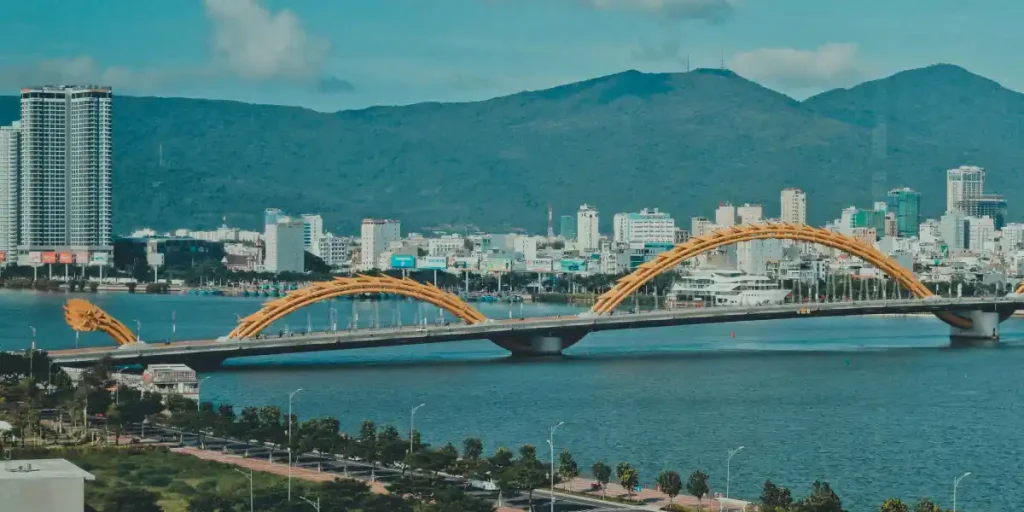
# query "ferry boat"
(728, 288)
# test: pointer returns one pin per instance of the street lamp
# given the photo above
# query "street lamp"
(412, 425)
(728, 468)
(290, 396)
(315, 505)
(551, 446)
(32, 355)
(138, 330)
(956, 482)
(249, 476)
(199, 395)
(117, 389)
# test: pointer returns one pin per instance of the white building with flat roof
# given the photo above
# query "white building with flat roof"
(284, 243)
(645, 226)
(750, 213)
(375, 238)
(43, 485)
(725, 215)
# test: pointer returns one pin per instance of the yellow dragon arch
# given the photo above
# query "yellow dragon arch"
(781, 231)
(85, 316)
(272, 311)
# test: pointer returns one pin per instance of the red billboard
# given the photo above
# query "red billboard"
(49, 257)
(3, 256)
(66, 257)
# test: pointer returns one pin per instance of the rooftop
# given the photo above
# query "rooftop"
(42, 468)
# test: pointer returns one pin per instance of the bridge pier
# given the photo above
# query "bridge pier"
(983, 332)
(538, 344)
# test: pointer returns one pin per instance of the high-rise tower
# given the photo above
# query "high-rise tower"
(65, 191)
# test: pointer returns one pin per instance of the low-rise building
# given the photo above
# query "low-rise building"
(43, 485)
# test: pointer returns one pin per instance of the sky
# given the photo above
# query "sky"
(341, 54)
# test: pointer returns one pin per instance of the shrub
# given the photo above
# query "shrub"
(157, 480)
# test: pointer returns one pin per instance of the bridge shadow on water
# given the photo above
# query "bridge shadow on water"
(463, 359)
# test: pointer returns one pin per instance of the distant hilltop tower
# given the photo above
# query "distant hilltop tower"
(551, 223)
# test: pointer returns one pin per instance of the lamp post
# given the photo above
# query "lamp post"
(249, 476)
(551, 446)
(138, 330)
(956, 482)
(174, 324)
(32, 355)
(199, 395)
(117, 388)
(290, 396)
(728, 468)
(315, 505)
(412, 425)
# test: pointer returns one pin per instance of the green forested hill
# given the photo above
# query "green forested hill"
(681, 142)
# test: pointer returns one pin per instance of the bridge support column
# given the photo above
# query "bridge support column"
(984, 332)
(538, 344)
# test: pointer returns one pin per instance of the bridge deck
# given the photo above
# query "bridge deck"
(366, 338)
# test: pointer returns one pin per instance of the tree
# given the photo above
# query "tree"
(567, 467)
(821, 499)
(472, 448)
(529, 472)
(670, 484)
(602, 473)
(628, 477)
(894, 505)
(130, 499)
(697, 486)
(926, 505)
(368, 445)
(775, 498)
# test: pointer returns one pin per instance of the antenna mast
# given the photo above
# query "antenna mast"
(551, 223)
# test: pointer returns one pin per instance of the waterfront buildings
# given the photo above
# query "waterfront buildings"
(336, 251)
(312, 232)
(964, 185)
(646, 226)
(284, 241)
(794, 206)
(10, 169)
(905, 203)
(700, 225)
(587, 228)
(750, 213)
(725, 215)
(65, 171)
(375, 237)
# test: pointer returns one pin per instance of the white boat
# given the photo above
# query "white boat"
(728, 288)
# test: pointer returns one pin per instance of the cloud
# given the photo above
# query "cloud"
(259, 44)
(714, 11)
(829, 65)
(333, 84)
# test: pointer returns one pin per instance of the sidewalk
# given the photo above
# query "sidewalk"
(650, 497)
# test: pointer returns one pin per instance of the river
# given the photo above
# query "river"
(878, 406)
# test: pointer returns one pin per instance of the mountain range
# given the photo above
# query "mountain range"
(683, 142)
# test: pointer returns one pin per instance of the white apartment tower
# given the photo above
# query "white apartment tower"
(312, 233)
(284, 242)
(586, 228)
(750, 213)
(964, 185)
(10, 151)
(794, 206)
(65, 167)
(376, 235)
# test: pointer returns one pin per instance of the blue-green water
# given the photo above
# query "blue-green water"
(878, 406)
